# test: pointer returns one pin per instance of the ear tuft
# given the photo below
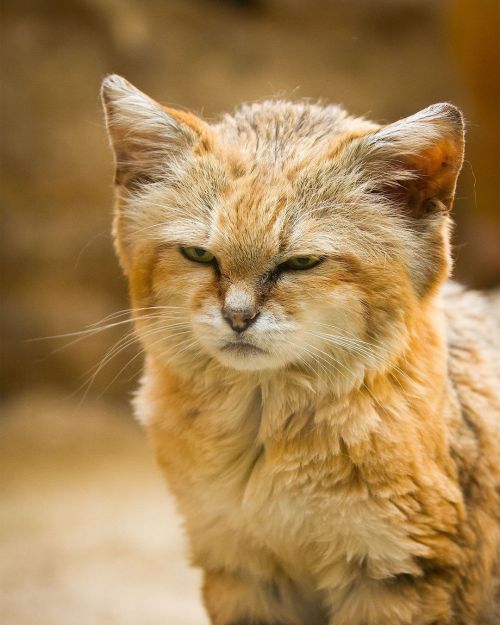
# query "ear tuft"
(113, 85)
(447, 112)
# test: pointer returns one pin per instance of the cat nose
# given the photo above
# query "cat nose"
(239, 320)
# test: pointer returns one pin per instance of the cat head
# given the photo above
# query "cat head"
(285, 235)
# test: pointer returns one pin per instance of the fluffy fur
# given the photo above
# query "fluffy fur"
(337, 462)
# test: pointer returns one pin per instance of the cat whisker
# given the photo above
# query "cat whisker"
(359, 346)
(140, 353)
(89, 332)
(363, 383)
(134, 336)
(315, 356)
(127, 311)
(186, 343)
(97, 327)
(122, 344)
(329, 359)
(346, 344)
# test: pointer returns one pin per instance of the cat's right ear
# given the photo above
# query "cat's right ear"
(415, 162)
(147, 138)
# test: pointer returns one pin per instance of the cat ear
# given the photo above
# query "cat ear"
(146, 137)
(418, 159)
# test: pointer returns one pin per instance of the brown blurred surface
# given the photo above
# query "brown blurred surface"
(384, 59)
(88, 533)
(88, 519)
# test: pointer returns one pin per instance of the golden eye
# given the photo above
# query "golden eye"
(197, 254)
(301, 262)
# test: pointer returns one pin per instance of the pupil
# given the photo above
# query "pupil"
(303, 261)
(199, 251)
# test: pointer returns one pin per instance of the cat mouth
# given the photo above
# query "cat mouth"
(242, 348)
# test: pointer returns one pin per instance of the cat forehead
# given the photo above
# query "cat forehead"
(268, 216)
(270, 184)
(275, 130)
(293, 208)
(253, 216)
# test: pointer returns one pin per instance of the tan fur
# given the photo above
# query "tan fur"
(348, 474)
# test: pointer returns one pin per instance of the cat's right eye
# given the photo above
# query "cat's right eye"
(197, 254)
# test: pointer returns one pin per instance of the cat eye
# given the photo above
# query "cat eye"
(301, 262)
(197, 254)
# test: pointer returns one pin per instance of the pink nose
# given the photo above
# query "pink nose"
(239, 320)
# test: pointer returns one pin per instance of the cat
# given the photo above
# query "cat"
(322, 401)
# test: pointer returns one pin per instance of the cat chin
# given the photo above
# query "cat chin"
(248, 361)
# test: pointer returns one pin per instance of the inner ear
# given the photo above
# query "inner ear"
(418, 160)
(134, 168)
(428, 182)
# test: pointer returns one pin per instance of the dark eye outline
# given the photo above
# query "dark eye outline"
(197, 258)
(287, 266)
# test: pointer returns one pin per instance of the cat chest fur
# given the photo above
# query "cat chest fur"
(276, 505)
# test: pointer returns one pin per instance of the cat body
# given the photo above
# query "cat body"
(323, 405)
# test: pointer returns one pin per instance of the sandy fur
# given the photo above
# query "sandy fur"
(347, 475)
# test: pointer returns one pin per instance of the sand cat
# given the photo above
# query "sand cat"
(323, 403)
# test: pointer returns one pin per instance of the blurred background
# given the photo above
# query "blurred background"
(88, 533)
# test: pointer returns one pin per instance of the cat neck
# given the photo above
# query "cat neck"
(287, 401)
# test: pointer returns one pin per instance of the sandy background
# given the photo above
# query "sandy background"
(88, 533)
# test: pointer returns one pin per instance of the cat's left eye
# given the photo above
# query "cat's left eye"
(301, 262)
(197, 254)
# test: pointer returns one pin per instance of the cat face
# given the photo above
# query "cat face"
(287, 235)
(261, 282)
(258, 287)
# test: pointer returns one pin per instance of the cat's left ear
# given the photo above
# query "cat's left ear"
(417, 159)
(147, 138)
